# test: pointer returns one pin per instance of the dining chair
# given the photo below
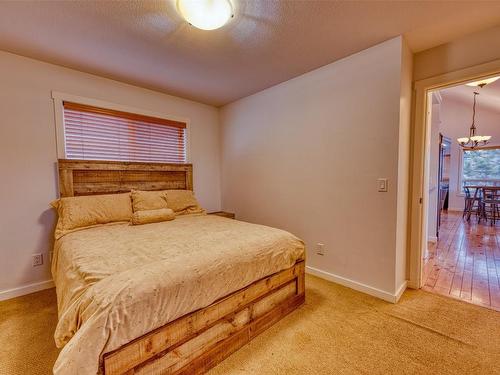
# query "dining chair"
(490, 204)
(472, 201)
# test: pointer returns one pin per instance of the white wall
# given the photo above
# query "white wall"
(28, 154)
(305, 156)
(455, 122)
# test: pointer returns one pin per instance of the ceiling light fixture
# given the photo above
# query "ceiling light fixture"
(482, 82)
(206, 14)
(474, 141)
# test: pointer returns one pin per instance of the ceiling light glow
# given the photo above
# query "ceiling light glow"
(205, 14)
(482, 82)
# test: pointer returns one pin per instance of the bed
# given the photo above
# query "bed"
(172, 297)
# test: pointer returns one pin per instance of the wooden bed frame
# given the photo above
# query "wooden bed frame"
(196, 342)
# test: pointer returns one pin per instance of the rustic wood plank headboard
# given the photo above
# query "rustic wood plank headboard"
(88, 177)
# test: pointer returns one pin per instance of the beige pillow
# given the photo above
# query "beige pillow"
(86, 211)
(148, 200)
(183, 202)
(152, 216)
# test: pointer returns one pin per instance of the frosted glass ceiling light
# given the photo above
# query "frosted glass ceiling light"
(482, 82)
(205, 14)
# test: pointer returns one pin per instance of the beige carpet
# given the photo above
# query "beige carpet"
(337, 331)
(27, 327)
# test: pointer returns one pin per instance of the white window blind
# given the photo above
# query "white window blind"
(92, 133)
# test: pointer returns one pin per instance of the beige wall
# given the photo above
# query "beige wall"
(305, 156)
(470, 50)
(28, 154)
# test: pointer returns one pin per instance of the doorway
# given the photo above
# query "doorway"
(461, 233)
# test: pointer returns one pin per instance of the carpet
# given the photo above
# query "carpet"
(27, 326)
(337, 331)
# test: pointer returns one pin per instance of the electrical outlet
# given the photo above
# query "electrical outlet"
(37, 259)
(320, 249)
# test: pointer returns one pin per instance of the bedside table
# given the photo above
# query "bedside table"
(229, 215)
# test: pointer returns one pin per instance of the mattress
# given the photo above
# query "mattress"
(118, 282)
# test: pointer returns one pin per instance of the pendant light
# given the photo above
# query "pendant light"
(474, 141)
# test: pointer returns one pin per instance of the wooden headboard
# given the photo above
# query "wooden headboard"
(87, 177)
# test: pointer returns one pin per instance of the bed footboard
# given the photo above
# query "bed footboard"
(198, 341)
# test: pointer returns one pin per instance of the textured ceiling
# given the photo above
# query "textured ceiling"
(147, 44)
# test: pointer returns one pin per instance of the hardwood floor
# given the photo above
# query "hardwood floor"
(465, 262)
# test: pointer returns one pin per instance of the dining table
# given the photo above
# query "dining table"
(477, 189)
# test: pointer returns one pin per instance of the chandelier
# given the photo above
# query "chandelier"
(474, 141)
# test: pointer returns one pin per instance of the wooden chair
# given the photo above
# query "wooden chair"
(490, 205)
(472, 202)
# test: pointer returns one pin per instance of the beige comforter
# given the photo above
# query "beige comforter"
(118, 282)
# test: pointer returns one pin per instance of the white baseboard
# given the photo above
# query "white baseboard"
(382, 294)
(412, 285)
(386, 296)
(25, 289)
(400, 291)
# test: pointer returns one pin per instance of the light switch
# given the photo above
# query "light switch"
(382, 185)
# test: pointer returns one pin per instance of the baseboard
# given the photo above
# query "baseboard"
(25, 289)
(400, 291)
(360, 287)
(432, 239)
(410, 284)
(386, 296)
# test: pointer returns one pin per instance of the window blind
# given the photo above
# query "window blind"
(92, 133)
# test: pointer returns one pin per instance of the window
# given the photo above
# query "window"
(92, 133)
(481, 166)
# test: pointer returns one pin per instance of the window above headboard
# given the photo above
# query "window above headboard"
(92, 133)
(90, 129)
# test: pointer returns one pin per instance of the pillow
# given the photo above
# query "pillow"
(148, 200)
(152, 216)
(91, 210)
(183, 202)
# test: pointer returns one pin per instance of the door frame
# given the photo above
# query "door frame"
(418, 163)
(440, 177)
(439, 208)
